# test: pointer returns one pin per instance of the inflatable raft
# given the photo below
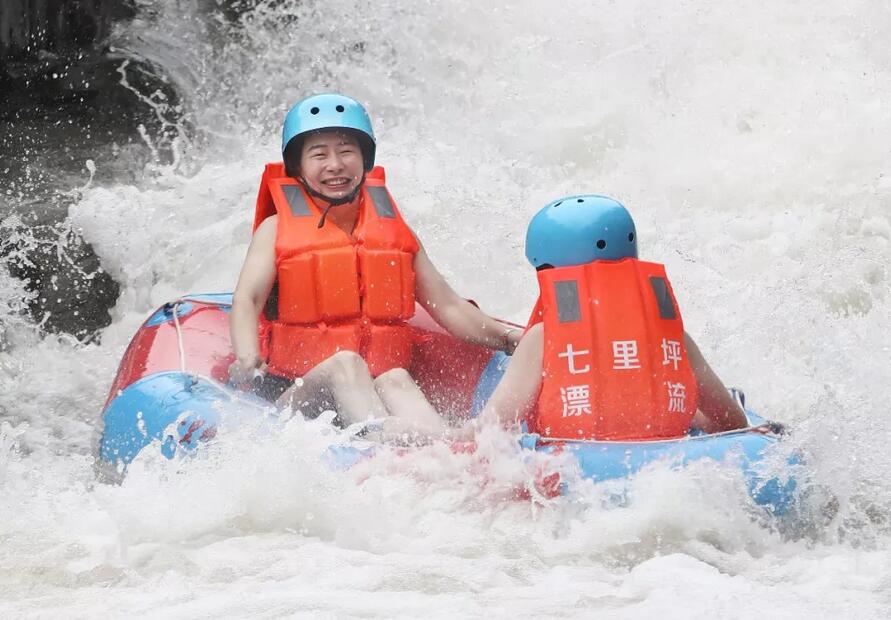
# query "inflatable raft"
(171, 394)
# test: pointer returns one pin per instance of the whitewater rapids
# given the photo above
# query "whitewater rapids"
(750, 142)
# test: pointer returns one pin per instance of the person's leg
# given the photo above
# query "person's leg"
(343, 380)
(413, 418)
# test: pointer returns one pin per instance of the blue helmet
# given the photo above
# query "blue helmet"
(580, 229)
(330, 111)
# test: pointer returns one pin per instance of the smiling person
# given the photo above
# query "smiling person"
(338, 272)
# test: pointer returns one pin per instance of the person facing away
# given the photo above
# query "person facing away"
(605, 355)
(338, 272)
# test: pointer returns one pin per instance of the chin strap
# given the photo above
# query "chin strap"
(332, 202)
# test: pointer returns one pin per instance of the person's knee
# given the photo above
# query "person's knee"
(346, 366)
(396, 378)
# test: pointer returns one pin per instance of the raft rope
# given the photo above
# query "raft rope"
(179, 338)
(173, 307)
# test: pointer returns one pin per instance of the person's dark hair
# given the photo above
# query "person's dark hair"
(294, 149)
(292, 155)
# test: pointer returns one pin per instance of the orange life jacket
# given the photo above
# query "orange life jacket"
(615, 366)
(338, 291)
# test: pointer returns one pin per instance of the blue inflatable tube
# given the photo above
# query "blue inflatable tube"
(176, 412)
(746, 448)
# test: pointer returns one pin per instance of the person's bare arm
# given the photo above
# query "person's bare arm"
(254, 283)
(717, 409)
(514, 398)
(454, 313)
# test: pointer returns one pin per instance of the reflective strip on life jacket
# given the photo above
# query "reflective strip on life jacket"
(614, 364)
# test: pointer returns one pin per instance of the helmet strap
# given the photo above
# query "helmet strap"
(332, 202)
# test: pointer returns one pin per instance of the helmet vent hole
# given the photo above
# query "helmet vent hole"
(580, 200)
(630, 236)
(601, 244)
(339, 108)
(558, 204)
(314, 111)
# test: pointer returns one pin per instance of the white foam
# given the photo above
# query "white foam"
(750, 142)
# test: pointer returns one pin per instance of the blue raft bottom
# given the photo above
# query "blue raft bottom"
(178, 411)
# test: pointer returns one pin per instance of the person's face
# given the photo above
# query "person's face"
(331, 163)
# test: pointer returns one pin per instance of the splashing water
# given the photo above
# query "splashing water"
(749, 140)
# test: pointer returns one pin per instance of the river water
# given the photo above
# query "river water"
(749, 140)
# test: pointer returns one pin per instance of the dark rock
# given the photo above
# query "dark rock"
(73, 293)
(27, 26)
(66, 98)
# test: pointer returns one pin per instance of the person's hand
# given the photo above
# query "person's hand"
(243, 371)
